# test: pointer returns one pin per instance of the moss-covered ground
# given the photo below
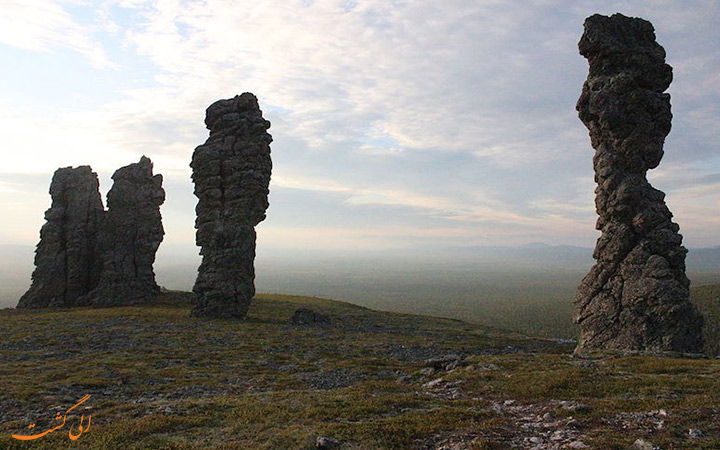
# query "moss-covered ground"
(160, 379)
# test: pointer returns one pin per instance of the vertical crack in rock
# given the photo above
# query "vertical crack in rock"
(636, 297)
(87, 256)
(66, 258)
(231, 172)
(131, 234)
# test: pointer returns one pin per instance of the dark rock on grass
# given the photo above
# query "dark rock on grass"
(66, 260)
(446, 363)
(131, 234)
(305, 316)
(575, 406)
(327, 443)
(231, 172)
(636, 297)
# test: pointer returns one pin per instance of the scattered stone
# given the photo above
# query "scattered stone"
(643, 422)
(327, 443)
(433, 383)
(642, 444)
(66, 259)
(446, 363)
(131, 233)
(444, 389)
(577, 445)
(481, 367)
(575, 406)
(403, 379)
(636, 297)
(231, 172)
(305, 316)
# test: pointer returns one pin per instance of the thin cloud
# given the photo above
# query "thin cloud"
(393, 117)
(45, 26)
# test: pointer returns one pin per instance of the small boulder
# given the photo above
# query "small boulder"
(695, 433)
(447, 362)
(577, 445)
(642, 444)
(575, 406)
(327, 443)
(305, 316)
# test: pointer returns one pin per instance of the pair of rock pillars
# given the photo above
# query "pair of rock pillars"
(89, 256)
(636, 297)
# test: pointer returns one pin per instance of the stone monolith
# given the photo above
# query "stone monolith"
(636, 297)
(131, 233)
(66, 258)
(231, 172)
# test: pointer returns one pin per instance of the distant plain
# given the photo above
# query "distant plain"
(527, 288)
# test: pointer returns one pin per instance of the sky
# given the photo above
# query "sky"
(396, 124)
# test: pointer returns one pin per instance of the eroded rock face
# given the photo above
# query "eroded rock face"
(636, 295)
(66, 258)
(131, 234)
(231, 172)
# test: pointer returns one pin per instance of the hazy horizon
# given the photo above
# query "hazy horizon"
(489, 285)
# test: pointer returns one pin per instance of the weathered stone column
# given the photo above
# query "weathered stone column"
(231, 172)
(636, 297)
(131, 234)
(66, 258)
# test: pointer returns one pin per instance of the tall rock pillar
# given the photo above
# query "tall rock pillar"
(66, 259)
(131, 234)
(636, 297)
(231, 172)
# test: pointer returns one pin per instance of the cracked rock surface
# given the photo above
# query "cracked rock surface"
(636, 297)
(231, 172)
(66, 259)
(131, 234)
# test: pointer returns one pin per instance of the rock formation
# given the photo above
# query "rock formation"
(131, 234)
(66, 266)
(636, 295)
(87, 256)
(231, 172)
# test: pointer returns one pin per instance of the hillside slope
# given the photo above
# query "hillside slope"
(707, 299)
(160, 379)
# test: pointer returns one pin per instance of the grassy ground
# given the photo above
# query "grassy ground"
(707, 299)
(160, 379)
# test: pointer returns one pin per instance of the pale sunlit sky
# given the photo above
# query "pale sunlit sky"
(395, 123)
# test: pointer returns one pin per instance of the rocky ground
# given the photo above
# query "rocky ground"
(352, 379)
